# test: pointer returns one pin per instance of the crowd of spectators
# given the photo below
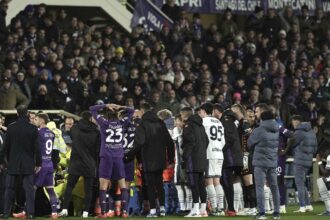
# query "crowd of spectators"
(55, 61)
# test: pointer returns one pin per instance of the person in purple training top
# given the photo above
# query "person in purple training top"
(45, 178)
(112, 153)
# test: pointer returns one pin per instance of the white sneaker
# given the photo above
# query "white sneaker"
(63, 213)
(241, 213)
(269, 212)
(282, 209)
(251, 212)
(193, 215)
(300, 210)
(309, 208)
(85, 214)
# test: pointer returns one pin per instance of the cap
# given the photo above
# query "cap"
(327, 166)
(119, 50)
(140, 42)
(277, 94)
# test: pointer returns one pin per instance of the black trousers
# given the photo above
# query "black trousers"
(88, 188)
(28, 184)
(155, 189)
(2, 192)
(227, 184)
(197, 185)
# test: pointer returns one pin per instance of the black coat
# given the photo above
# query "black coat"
(85, 148)
(232, 153)
(154, 143)
(21, 148)
(195, 143)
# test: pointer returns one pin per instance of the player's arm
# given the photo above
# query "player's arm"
(95, 112)
(36, 148)
(253, 138)
(188, 141)
(169, 145)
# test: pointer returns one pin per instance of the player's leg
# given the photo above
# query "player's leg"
(211, 194)
(227, 183)
(220, 195)
(124, 196)
(324, 193)
(193, 183)
(104, 185)
(238, 192)
(181, 197)
(52, 199)
(150, 183)
(248, 182)
(202, 193)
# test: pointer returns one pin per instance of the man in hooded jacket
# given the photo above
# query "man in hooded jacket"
(233, 157)
(264, 140)
(83, 160)
(155, 147)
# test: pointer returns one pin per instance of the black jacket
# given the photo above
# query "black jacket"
(232, 153)
(85, 148)
(195, 143)
(154, 143)
(21, 148)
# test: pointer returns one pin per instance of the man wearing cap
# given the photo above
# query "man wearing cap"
(10, 97)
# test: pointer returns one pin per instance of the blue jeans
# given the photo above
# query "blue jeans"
(260, 175)
(300, 179)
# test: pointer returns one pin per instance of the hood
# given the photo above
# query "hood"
(270, 125)
(229, 113)
(196, 120)
(86, 126)
(304, 126)
(150, 116)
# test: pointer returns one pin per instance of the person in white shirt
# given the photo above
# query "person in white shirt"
(215, 133)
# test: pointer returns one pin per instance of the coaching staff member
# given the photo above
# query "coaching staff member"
(155, 146)
(24, 159)
(83, 160)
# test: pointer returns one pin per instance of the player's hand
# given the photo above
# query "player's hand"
(37, 169)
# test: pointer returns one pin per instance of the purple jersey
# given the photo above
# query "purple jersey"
(46, 140)
(112, 132)
(284, 135)
(129, 137)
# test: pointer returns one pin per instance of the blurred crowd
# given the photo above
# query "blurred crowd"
(51, 60)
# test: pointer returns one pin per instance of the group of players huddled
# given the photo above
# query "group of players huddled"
(226, 161)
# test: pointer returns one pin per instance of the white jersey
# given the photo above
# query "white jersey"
(215, 133)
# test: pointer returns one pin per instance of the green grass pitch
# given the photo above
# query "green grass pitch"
(318, 208)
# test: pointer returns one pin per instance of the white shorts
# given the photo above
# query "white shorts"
(214, 168)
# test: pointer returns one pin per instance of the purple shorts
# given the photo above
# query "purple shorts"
(45, 177)
(129, 171)
(112, 168)
(281, 166)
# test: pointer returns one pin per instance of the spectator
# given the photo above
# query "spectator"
(10, 97)
(3, 29)
(172, 10)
